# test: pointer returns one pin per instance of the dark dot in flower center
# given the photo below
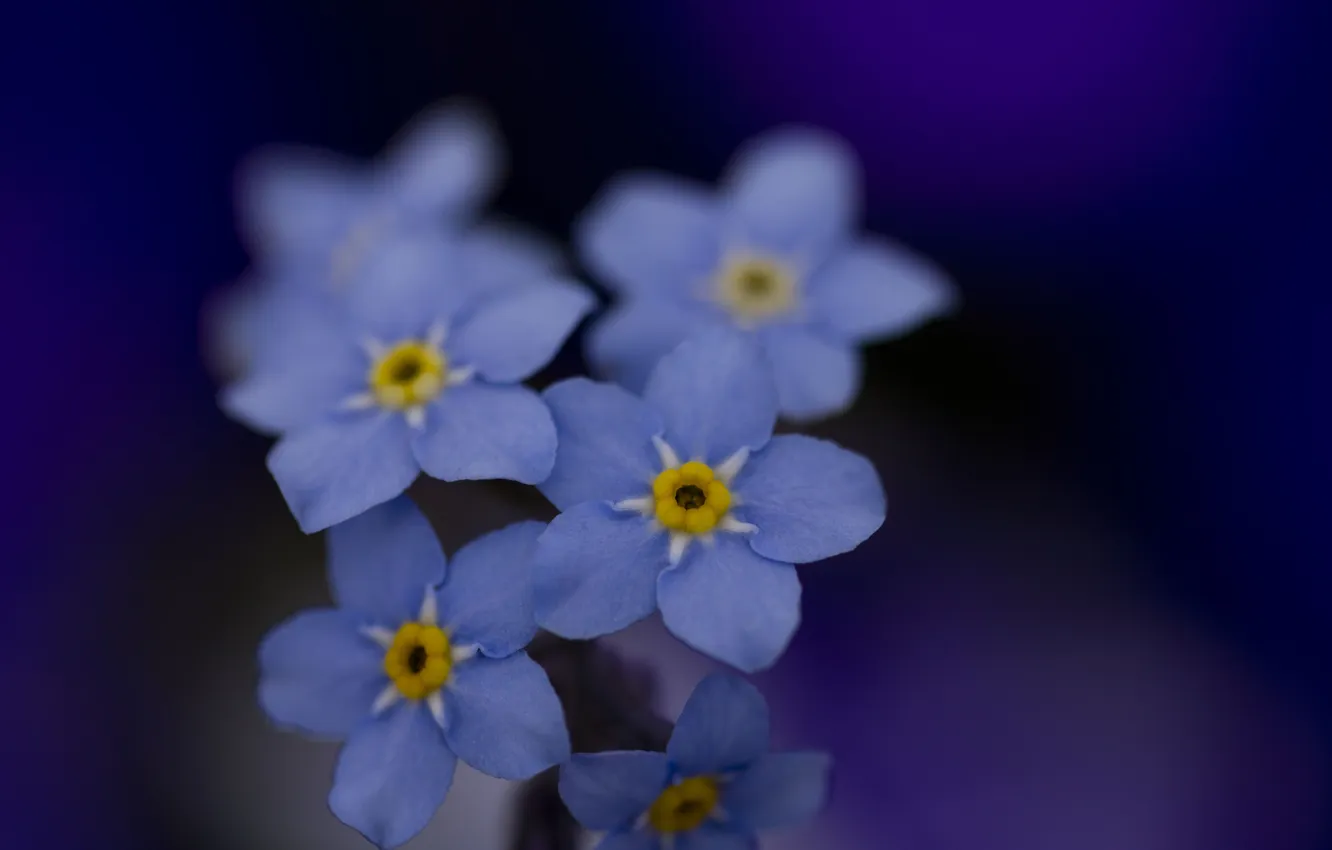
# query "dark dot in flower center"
(756, 282)
(690, 496)
(405, 370)
(416, 659)
(689, 807)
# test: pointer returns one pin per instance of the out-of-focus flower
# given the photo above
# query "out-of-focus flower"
(641, 481)
(773, 254)
(416, 670)
(714, 788)
(418, 369)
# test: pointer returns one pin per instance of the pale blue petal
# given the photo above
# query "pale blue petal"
(410, 283)
(779, 790)
(632, 337)
(319, 674)
(723, 727)
(641, 839)
(876, 290)
(382, 562)
(794, 193)
(487, 600)
(446, 161)
(479, 431)
(514, 334)
(342, 466)
(302, 363)
(596, 571)
(816, 376)
(728, 602)
(496, 256)
(715, 393)
(295, 204)
(609, 791)
(651, 233)
(503, 718)
(605, 443)
(716, 837)
(811, 499)
(392, 774)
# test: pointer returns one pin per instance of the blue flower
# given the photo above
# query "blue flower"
(714, 787)
(416, 674)
(773, 253)
(417, 370)
(683, 499)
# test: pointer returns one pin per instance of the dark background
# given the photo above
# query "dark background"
(1099, 613)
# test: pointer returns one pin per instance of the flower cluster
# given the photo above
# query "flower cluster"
(387, 330)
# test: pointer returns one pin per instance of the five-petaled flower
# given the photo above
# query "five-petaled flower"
(416, 670)
(418, 368)
(773, 254)
(714, 788)
(683, 500)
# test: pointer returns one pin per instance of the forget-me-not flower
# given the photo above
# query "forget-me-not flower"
(683, 500)
(714, 788)
(772, 253)
(418, 369)
(415, 669)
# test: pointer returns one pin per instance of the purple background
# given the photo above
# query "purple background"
(1099, 613)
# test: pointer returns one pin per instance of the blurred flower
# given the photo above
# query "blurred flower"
(414, 673)
(418, 369)
(632, 509)
(714, 787)
(773, 254)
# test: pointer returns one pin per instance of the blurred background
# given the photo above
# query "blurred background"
(1099, 616)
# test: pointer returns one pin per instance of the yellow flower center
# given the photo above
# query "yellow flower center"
(418, 662)
(690, 498)
(756, 287)
(685, 805)
(408, 374)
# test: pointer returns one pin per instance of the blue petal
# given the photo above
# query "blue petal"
(295, 204)
(627, 342)
(723, 727)
(392, 774)
(340, 467)
(876, 290)
(478, 431)
(319, 674)
(487, 599)
(383, 562)
(716, 837)
(596, 571)
(728, 602)
(496, 256)
(650, 233)
(811, 499)
(445, 162)
(611, 790)
(503, 718)
(302, 363)
(816, 376)
(795, 193)
(411, 282)
(778, 790)
(716, 395)
(515, 334)
(641, 839)
(605, 444)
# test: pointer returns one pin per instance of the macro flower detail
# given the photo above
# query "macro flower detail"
(683, 500)
(419, 370)
(773, 254)
(415, 669)
(714, 788)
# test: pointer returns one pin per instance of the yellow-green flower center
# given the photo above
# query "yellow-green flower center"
(756, 288)
(408, 374)
(685, 805)
(690, 498)
(419, 660)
